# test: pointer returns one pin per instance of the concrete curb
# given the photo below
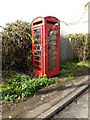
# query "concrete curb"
(67, 100)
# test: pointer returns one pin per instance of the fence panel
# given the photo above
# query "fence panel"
(66, 51)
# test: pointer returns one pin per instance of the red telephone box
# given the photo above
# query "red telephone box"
(46, 45)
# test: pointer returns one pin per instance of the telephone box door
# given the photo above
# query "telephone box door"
(53, 49)
(37, 49)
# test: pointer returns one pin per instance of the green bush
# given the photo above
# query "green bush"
(80, 45)
(21, 85)
(16, 46)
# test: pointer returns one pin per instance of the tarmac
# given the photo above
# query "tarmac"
(50, 100)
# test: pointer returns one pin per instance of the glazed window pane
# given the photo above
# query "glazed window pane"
(36, 31)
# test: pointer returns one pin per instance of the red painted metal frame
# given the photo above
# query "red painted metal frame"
(36, 71)
(44, 48)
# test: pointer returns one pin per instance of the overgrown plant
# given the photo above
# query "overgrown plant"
(16, 45)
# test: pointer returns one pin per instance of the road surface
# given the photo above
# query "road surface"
(77, 109)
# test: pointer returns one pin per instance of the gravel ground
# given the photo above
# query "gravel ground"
(77, 109)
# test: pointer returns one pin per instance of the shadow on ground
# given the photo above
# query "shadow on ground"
(62, 87)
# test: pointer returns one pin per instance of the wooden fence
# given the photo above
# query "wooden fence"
(66, 51)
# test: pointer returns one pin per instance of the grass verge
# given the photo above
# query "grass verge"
(73, 68)
(70, 69)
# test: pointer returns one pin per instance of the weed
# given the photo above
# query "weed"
(21, 85)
